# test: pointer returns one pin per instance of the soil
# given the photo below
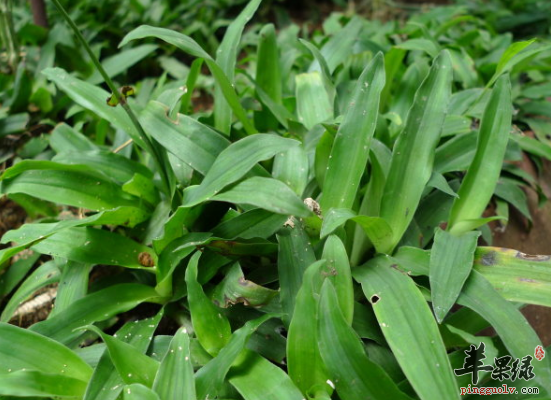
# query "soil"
(536, 240)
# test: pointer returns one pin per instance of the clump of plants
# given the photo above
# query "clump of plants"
(317, 234)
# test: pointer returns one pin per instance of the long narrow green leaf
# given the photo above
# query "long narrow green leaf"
(413, 153)
(111, 164)
(451, 261)
(132, 365)
(258, 379)
(212, 328)
(98, 306)
(353, 374)
(376, 229)
(138, 391)
(479, 183)
(188, 45)
(314, 104)
(234, 162)
(93, 246)
(76, 188)
(350, 151)
(73, 285)
(174, 380)
(122, 61)
(295, 254)
(292, 168)
(19, 348)
(209, 379)
(226, 58)
(514, 330)
(195, 144)
(409, 328)
(41, 384)
(256, 223)
(46, 274)
(516, 276)
(304, 363)
(338, 48)
(93, 98)
(266, 193)
(268, 76)
(338, 272)
(106, 383)
(234, 289)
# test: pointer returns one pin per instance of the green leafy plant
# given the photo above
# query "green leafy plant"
(316, 235)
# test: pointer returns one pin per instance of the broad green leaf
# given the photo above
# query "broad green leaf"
(195, 144)
(409, 328)
(19, 348)
(512, 55)
(16, 272)
(226, 58)
(66, 139)
(428, 46)
(189, 46)
(97, 306)
(314, 104)
(144, 188)
(438, 181)
(258, 379)
(292, 169)
(191, 81)
(295, 254)
(93, 246)
(30, 234)
(74, 188)
(516, 276)
(256, 223)
(106, 382)
(46, 274)
(338, 272)
(211, 327)
(138, 391)
(14, 123)
(234, 162)
(350, 151)
(174, 380)
(479, 183)
(413, 153)
(210, 378)
(323, 69)
(172, 255)
(122, 61)
(352, 373)
(266, 193)
(73, 285)
(235, 289)
(131, 364)
(304, 364)
(456, 154)
(268, 77)
(41, 384)
(376, 229)
(94, 98)
(451, 261)
(514, 330)
(338, 48)
(111, 164)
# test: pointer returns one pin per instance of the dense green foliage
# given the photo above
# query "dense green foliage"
(311, 228)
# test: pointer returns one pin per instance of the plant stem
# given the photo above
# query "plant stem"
(8, 36)
(149, 146)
